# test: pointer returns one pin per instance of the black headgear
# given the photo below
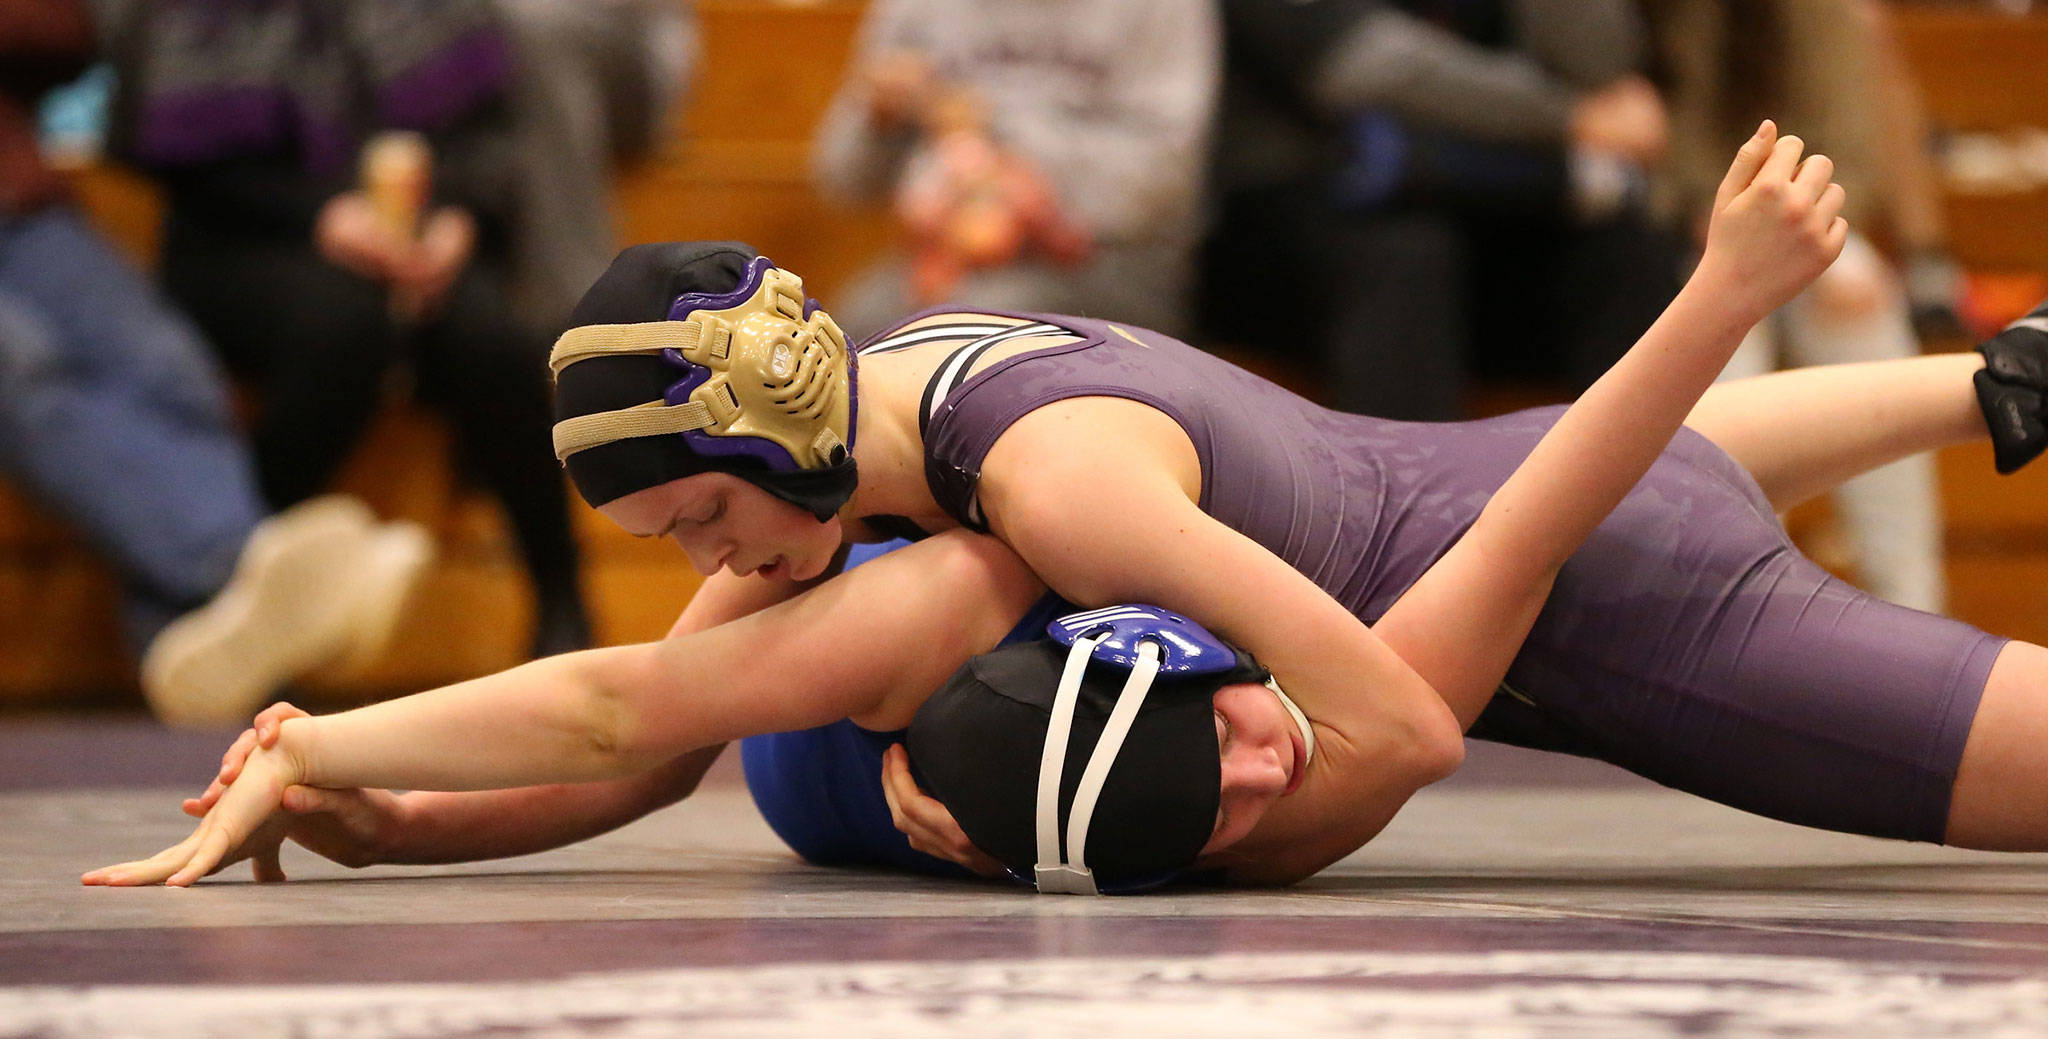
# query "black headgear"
(667, 283)
(984, 744)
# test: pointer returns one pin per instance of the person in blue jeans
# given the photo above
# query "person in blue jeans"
(113, 417)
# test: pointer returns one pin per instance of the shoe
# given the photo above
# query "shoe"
(2012, 390)
(395, 559)
(299, 597)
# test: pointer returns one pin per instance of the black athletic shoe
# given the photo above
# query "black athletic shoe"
(2012, 388)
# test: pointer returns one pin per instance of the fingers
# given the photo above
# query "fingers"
(267, 869)
(213, 847)
(1815, 176)
(303, 800)
(1748, 161)
(151, 870)
(930, 827)
(1783, 160)
(272, 717)
(895, 771)
(237, 753)
(1829, 208)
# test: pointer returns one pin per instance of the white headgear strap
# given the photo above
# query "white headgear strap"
(1069, 874)
(1308, 732)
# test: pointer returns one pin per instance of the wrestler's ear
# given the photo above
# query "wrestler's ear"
(644, 280)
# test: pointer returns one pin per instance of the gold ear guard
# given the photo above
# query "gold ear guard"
(775, 376)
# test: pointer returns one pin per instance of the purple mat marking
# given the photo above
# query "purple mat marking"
(390, 953)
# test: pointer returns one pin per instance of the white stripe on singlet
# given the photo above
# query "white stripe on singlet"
(932, 334)
(953, 371)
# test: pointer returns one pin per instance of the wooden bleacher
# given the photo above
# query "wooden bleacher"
(738, 168)
(1978, 71)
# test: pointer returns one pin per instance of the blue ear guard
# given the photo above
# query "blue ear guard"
(1185, 648)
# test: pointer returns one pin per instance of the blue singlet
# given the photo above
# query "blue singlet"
(821, 789)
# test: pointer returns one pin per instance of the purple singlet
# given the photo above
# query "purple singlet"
(1686, 641)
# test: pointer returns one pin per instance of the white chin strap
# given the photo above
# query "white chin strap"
(1308, 732)
(1069, 875)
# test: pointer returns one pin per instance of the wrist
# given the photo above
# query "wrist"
(1716, 302)
(393, 827)
(295, 742)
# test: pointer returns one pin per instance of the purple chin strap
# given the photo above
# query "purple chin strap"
(702, 442)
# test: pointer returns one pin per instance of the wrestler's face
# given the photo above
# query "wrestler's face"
(724, 522)
(1264, 759)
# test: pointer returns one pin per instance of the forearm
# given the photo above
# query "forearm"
(550, 721)
(439, 826)
(1605, 441)
(1462, 623)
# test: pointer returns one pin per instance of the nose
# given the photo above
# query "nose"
(1255, 771)
(704, 559)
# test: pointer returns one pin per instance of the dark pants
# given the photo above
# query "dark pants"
(319, 343)
(1400, 307)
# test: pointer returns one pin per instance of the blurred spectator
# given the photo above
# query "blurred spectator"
(1823, 71)
(1043, 154)
(252, 116)
(596, 84)
(112, 415)
(1453, 178)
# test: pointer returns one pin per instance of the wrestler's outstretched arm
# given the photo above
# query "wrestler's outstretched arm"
(909, 619)
(369, 826)
(1776, 226)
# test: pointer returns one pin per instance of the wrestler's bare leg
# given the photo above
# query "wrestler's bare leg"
(1801, 432)
(2000, 797)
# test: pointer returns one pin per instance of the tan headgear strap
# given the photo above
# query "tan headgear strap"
(641, 420)
(774, 373)
(652, 337)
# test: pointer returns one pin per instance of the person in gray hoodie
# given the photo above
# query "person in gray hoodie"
(1045, 154)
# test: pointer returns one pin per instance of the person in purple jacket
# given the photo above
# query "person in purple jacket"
(1614, 571)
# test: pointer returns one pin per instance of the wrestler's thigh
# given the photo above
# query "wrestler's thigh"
(2000, 798)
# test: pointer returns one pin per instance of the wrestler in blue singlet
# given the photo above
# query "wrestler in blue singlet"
(1686, 641)
(821, 789)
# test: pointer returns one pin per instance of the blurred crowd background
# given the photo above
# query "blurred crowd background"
(277, 279)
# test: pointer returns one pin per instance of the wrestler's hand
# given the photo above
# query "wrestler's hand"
(238, 826)
(1777, 225)
(350, 827)
(899, 83)
(350, 234)
(423, 274)
(1626, 118)
(926, 822)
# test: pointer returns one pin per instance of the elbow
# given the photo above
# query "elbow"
(613, 733)
(1436, 750)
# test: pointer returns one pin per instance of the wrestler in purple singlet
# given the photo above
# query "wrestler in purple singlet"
(1686, 641)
